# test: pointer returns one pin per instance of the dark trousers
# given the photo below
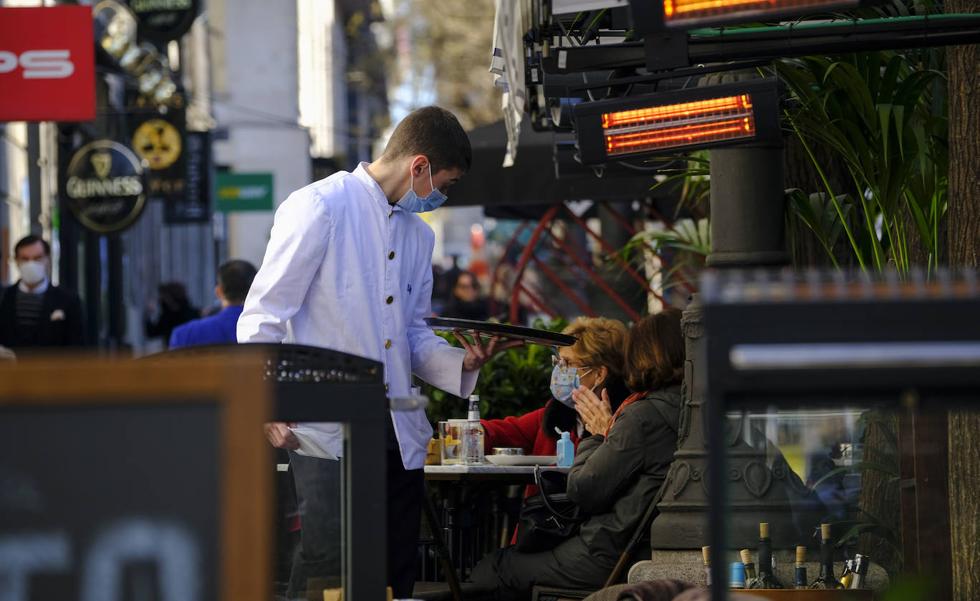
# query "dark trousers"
(318, 563)
(318, 494)
(405, 490)
(511, 574)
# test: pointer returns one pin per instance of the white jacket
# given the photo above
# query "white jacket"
(345, 270)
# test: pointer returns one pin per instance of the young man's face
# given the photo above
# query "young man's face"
(443, 179)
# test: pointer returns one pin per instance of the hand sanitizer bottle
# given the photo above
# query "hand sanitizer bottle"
(473, 434)
(566, 451)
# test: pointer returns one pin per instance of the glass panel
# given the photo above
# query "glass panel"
(311, 492)
(812, 498)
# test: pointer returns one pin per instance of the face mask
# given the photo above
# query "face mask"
(32, 272)
(564, 380)
(412, 202)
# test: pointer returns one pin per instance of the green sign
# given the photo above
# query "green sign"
(243, 192)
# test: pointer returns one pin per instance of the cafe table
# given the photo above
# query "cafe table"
(459, 477)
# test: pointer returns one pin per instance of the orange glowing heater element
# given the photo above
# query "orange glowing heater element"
(678, 125)
(682, 11)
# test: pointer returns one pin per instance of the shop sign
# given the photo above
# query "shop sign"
(243, 192)
(104, 186)
(195, 204)
(47, 64)
(159, 140)
(164, 20)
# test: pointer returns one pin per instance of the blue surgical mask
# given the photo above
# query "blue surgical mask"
(564, 380)
(412, 202)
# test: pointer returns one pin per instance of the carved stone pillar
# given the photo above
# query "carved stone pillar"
(762, 486)
(747, 231)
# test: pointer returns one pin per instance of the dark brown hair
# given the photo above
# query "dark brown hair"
(655, 352)
(434, 132)
(235, 278)
(32, 239)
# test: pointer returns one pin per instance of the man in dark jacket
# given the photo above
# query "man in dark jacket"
(34, 313)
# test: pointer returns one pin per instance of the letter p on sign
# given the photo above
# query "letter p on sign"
(47, 64)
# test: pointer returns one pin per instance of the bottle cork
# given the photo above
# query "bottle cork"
(746, 555)
(763, 529)
(825, 532)
(706, 554)
(800, 555)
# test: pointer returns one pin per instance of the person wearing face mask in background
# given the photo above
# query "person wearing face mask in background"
(617, 473)
(34, 313)
(348, 267)
(594, 361)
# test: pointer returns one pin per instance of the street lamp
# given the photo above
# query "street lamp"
(115, 27)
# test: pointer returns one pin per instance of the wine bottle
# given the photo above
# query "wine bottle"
(751, 578)
(826, 578)
(801, 567)
(766, 579)
(861, 563)
(706, 556)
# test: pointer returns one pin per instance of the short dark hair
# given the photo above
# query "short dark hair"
(32, 239)
(235, 278)
(655, 352)
(434, 132)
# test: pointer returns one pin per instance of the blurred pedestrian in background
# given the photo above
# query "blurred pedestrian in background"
(466, 301)
(234, 279)
(173, 310)
(34, 313)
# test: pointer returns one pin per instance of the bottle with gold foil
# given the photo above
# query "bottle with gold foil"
(766, 579)
(801, 581)
(826, 579)
(751, 578)
(847, 574)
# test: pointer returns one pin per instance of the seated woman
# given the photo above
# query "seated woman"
(617, 471)
(597, 359)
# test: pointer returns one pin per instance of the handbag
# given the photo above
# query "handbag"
(548, 518)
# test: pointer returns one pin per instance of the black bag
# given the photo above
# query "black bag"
(548, 518)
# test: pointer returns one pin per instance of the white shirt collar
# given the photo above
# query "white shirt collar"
(374, 188)
(41, 289)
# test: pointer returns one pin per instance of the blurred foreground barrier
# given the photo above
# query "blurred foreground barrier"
(135, 479)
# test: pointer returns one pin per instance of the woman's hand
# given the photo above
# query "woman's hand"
(595, 413)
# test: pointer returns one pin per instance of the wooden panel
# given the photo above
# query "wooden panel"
(149, 425)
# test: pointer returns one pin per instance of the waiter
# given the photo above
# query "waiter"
(349, 267)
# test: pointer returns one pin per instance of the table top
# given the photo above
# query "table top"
(486, 472)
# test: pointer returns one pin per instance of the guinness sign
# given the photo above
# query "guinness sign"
(104, 187)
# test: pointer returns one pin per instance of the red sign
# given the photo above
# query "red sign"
(47, 64)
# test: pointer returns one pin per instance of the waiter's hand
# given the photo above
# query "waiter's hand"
(281, 436)
(478, 353)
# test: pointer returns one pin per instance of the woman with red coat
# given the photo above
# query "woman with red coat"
(594, 361)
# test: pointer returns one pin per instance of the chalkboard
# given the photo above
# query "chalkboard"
(134, 481)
